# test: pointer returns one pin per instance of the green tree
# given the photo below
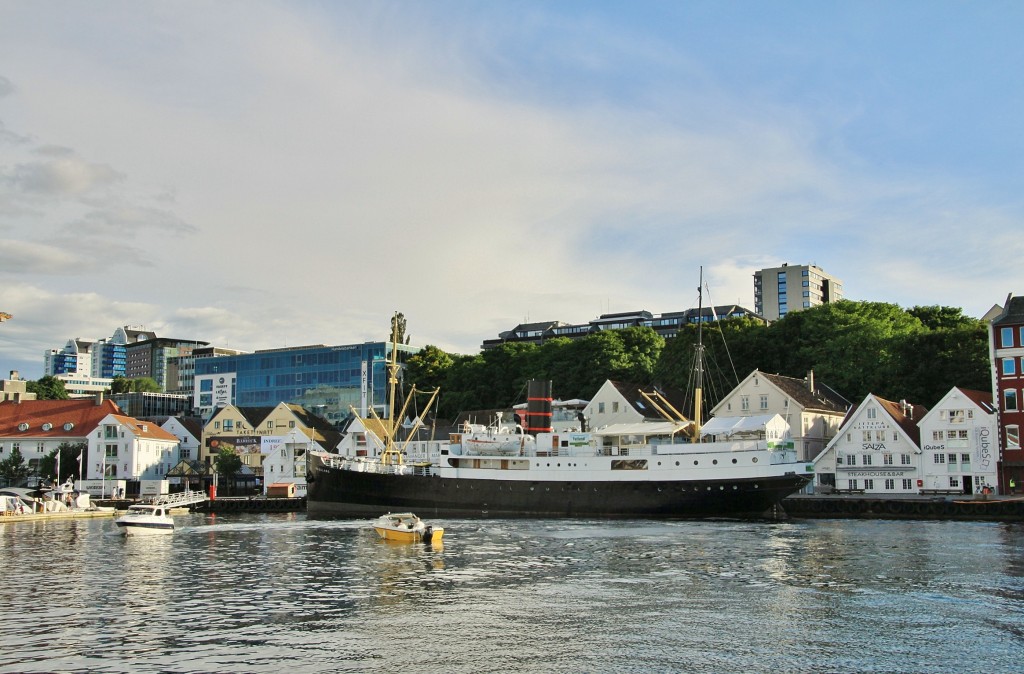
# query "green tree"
(13, 469)
(69, 454)
(228, 464)
(140, 385)
(428, 368)
(398, 326)
(47, 388)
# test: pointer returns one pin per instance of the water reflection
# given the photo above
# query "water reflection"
(265, 592)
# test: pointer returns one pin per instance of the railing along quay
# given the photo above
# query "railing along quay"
(964, 507)
(239, 504)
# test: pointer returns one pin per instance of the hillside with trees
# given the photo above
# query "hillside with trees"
(855, 347)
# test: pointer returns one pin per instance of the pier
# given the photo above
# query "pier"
(962, 507)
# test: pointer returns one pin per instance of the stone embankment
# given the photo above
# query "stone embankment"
(992, 508)
(233, 504)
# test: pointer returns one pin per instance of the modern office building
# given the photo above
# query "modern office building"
(152, 357)
(781, 290)
(327, 380)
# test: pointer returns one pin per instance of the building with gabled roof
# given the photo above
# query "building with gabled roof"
(622, 402)
(813, 410)
(36, 428)
(251, 432)
(129, 450)
(959, 443)
(877, 450)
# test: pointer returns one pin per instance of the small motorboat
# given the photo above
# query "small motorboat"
(146, 519)
(406, 528)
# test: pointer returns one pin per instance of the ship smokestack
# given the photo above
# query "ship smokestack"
(538, 406)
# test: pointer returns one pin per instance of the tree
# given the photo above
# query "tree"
(398, 335)
(47, 388)
(69, 454)
(13, 468)
(228, 464)
(141, 385)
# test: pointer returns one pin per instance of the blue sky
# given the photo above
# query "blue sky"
(242, 172)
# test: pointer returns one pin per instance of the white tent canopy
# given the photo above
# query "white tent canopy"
(772, 425)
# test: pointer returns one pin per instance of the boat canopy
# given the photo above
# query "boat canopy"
(771, 425)
(646, 429)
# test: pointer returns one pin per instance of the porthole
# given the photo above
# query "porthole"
(47, 426)
(721, 487)
(715, 461)
(754, 460)
(677, 463)
(23, 426)
(734, 460)
(695, 463)
(735, 487)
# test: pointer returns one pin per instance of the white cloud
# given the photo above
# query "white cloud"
(273, 174)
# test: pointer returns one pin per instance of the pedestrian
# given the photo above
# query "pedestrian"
(1013, 486)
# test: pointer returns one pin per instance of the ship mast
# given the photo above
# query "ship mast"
(698, 390)
(391, 453)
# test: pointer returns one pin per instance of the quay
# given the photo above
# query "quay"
(962, 507)
(240, 504)
(10, 518)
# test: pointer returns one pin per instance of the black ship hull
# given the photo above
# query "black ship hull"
(344, 492)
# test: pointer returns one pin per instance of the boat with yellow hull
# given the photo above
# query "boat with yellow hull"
(406, 528)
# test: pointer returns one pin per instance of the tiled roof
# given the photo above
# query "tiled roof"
(83, 414)
(1013, 312)
(145, 429)
(906, 415)
(822, 399)
(979, 398)
(631, 392)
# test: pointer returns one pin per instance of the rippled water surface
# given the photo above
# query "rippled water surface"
(287, 593)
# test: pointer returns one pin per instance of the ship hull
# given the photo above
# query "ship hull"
(344, 492)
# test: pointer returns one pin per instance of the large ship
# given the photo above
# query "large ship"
(736, 467)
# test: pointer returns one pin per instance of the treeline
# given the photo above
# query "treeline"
(854, 347)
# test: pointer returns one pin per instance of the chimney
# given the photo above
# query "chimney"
(14, 375)
(99, 398)
(810, 380)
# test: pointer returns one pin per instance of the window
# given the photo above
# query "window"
(939, 458)
(229, 424)
(745, 403)
(952, 458)
(905, 459)
(956, 416)
(880, 436)
(951, 435)
(895, 436)
(869, 484)
(1006, 336)
(1013, 437)
(962, 435)
(954, 482)
(615, 406)
(965, 458)
(852, 460)
(1009, 366)
(890, 485)
(867, 459)
(871, 413)
(764, 402)
(853, 484)
(866, 436)
(887, 459)
(110, 451)
(907, 484)
(600, 408)
(1010, 400)
(937, 436)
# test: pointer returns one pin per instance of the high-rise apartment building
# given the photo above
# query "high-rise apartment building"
(780, 290)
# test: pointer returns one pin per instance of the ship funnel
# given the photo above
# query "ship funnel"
(538, 406)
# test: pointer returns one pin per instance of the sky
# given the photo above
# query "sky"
(260, 174)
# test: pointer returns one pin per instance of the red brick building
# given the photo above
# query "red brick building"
(1006, 348)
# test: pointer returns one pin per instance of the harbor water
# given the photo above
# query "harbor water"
(284, 592)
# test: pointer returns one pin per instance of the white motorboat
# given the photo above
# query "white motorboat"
(146, 519)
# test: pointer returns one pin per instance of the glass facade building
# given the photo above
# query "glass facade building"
(326, 380)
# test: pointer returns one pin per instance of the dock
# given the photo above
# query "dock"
(954, 507)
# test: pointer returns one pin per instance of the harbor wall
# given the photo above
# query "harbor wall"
(937, 508)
